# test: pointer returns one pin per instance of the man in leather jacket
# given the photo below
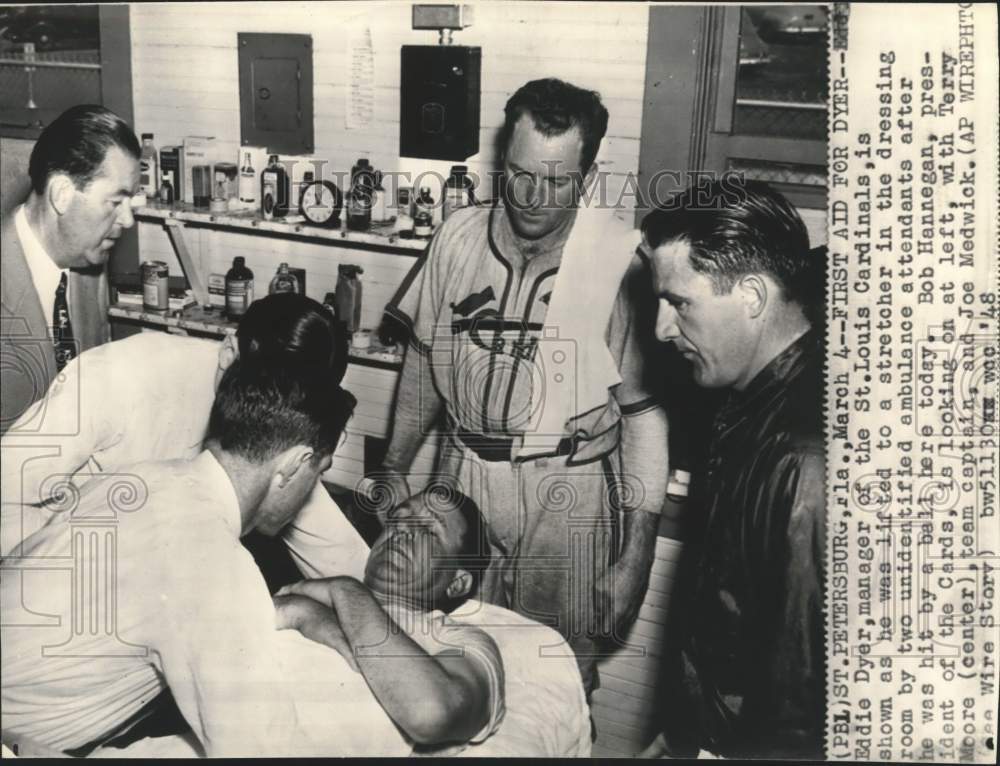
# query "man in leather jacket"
(737, 286)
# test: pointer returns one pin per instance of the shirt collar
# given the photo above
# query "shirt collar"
(45, 274)
(215, 476)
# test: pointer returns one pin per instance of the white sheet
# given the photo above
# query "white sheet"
(547, 713)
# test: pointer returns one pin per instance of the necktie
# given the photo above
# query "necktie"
(62, 330)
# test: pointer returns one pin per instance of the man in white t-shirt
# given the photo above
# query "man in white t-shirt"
(456, 675)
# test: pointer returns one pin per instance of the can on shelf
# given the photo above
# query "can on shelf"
(155, 286)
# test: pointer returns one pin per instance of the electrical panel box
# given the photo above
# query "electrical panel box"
(439, 101)
(276, 92)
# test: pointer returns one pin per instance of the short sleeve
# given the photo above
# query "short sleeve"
(445, 635)
(417, 302)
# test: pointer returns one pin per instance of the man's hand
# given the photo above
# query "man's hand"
(618, 594)
(315, 621)
(293, 612)
(320, 590)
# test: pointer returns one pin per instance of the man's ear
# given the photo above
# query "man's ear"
(754, 291)
(460, 585)
(229, 352)
(289, 462)
(60, 191)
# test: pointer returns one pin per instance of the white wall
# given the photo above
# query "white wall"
(185, 74)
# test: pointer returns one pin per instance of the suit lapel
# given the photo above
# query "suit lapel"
(23, 317)
(17, 286)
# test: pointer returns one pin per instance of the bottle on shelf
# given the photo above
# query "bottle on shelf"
(149, 172)
(274, 190)
(239, 288)
(362, 166)
(423, 218)
(423, 225)
(283, 281)
(361, 196)
(166, 192)
(220, 199)
(248, 181)
(458, 191)
(425, 201)
(347, 296)
(404, 205)
(380, 213)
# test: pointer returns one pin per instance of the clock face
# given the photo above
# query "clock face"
(321, 202)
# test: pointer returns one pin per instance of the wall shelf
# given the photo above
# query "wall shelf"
(213, 323)
(250, 221)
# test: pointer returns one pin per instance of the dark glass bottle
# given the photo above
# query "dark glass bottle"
(458, 191)
(283, 281)
(359, 201)
(347, 296)
(239, 288)
(275, 190)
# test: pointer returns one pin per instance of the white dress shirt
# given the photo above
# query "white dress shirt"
(45, 274)
(152, 588)
(146, 397)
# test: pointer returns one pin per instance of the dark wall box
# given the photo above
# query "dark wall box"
(439, 101)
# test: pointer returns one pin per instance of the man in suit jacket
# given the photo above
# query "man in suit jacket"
(84, 172)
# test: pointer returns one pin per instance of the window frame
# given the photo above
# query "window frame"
(115, 77)
(722, 40)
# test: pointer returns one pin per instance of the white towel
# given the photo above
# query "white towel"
(573, 367)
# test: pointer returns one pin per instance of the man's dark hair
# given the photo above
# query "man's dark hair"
(262, 408)
(293, 327)
(735, 228)
(556, 107)
(76, 143)
(474, 555)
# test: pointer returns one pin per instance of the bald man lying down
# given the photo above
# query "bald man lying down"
(453, 675)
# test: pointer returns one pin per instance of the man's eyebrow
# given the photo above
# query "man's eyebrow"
(565, 176)
(672, 297)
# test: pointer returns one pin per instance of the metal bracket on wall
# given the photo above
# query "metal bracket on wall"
(175, 229)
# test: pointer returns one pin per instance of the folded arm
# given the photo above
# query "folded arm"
(433, 698)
